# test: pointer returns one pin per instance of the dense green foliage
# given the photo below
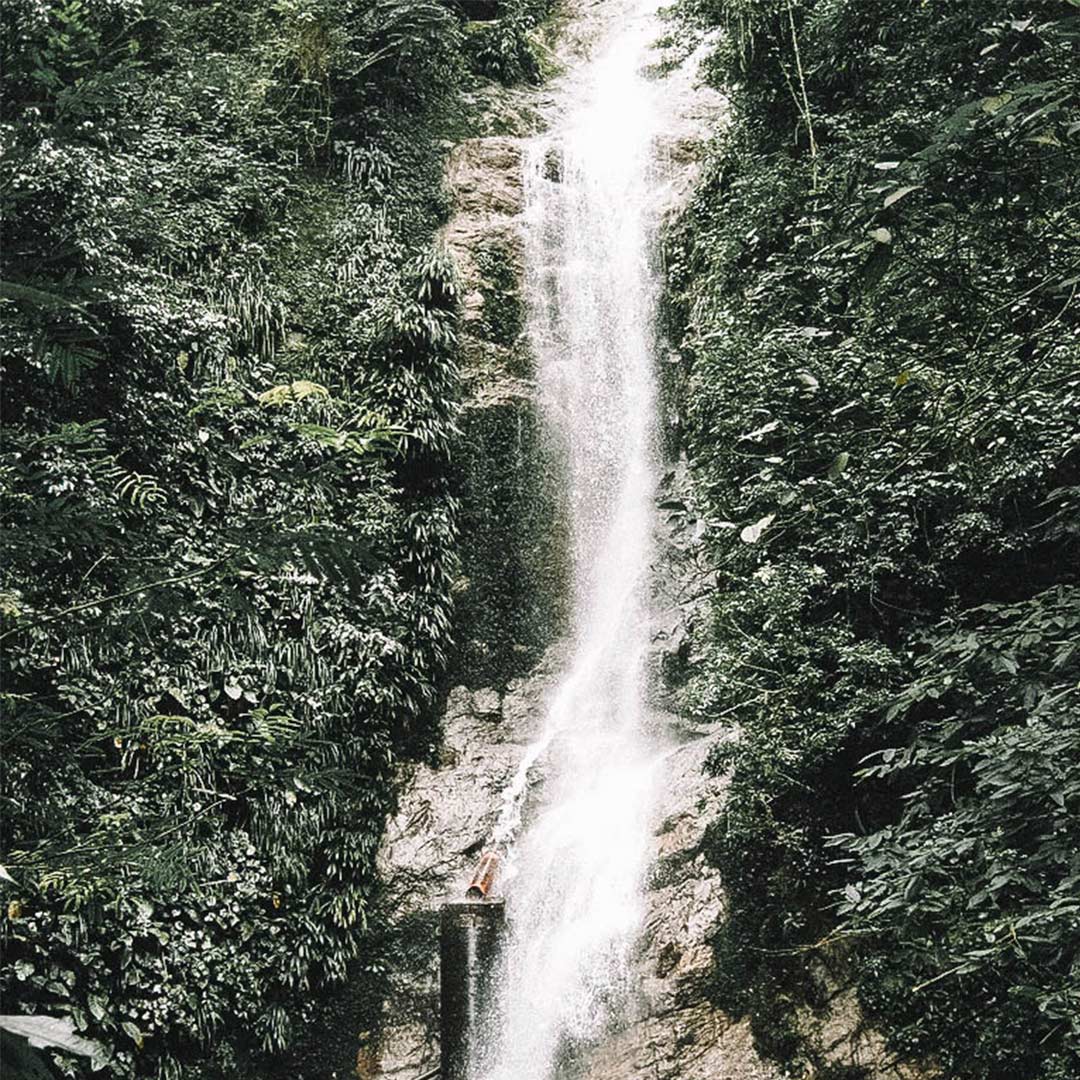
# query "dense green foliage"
(508, 48)
(229, 363)
(876, 296)
(229, 520)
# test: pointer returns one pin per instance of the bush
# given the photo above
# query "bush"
(229, 360)
(875, 294)
(506, 48)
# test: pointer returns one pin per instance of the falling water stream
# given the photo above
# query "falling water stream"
(576, 867)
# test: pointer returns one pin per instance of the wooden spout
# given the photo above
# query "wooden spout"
(484, 877)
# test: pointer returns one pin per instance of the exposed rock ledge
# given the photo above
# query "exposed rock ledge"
(444, 817)
(430, 846)
(448, 811)
(484, 236)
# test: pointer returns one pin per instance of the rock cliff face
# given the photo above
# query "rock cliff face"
(673, 1031)
(509, 596)
(432, 845)
(430, 848)
(510, 613)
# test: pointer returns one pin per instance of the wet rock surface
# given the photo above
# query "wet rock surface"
(431, 846)
(447, 811)
(509, 595)
(509, 601)
(446, 814)
(485, 177)
(672, 1031)
(675, 1031)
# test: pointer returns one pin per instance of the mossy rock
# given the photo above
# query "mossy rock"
(511, 598)
(503, 320)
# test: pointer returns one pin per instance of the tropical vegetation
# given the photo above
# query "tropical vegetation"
(229, 518)
(877, 298)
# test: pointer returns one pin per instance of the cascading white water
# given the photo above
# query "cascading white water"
(574, 894)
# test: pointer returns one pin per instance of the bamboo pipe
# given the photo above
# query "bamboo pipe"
(484, 877)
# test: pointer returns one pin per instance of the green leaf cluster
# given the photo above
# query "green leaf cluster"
(875, 294)
(509, 47)
(227, 336)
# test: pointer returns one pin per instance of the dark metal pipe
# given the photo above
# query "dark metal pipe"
(469, 938)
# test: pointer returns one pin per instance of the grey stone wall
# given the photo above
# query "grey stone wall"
(510, 598)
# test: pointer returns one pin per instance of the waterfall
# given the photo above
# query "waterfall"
(574, 888)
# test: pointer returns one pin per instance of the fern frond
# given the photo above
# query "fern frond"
(140, 490)
(284, 393)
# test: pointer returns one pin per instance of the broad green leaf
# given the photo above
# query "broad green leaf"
(132, 1031)
(751, 534)
(51, 1031)
(899, 194)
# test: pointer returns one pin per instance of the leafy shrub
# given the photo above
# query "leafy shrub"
(976, 881)
(229, 359)
(505, 48)
(875, 292)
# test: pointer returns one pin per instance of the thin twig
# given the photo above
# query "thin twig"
(179, 580)
(805, 98)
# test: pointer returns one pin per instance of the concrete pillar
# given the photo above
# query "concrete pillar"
(469, 940)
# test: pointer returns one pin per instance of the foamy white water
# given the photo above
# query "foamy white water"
(574, 875)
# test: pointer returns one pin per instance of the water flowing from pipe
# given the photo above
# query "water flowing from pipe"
(576, 871)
